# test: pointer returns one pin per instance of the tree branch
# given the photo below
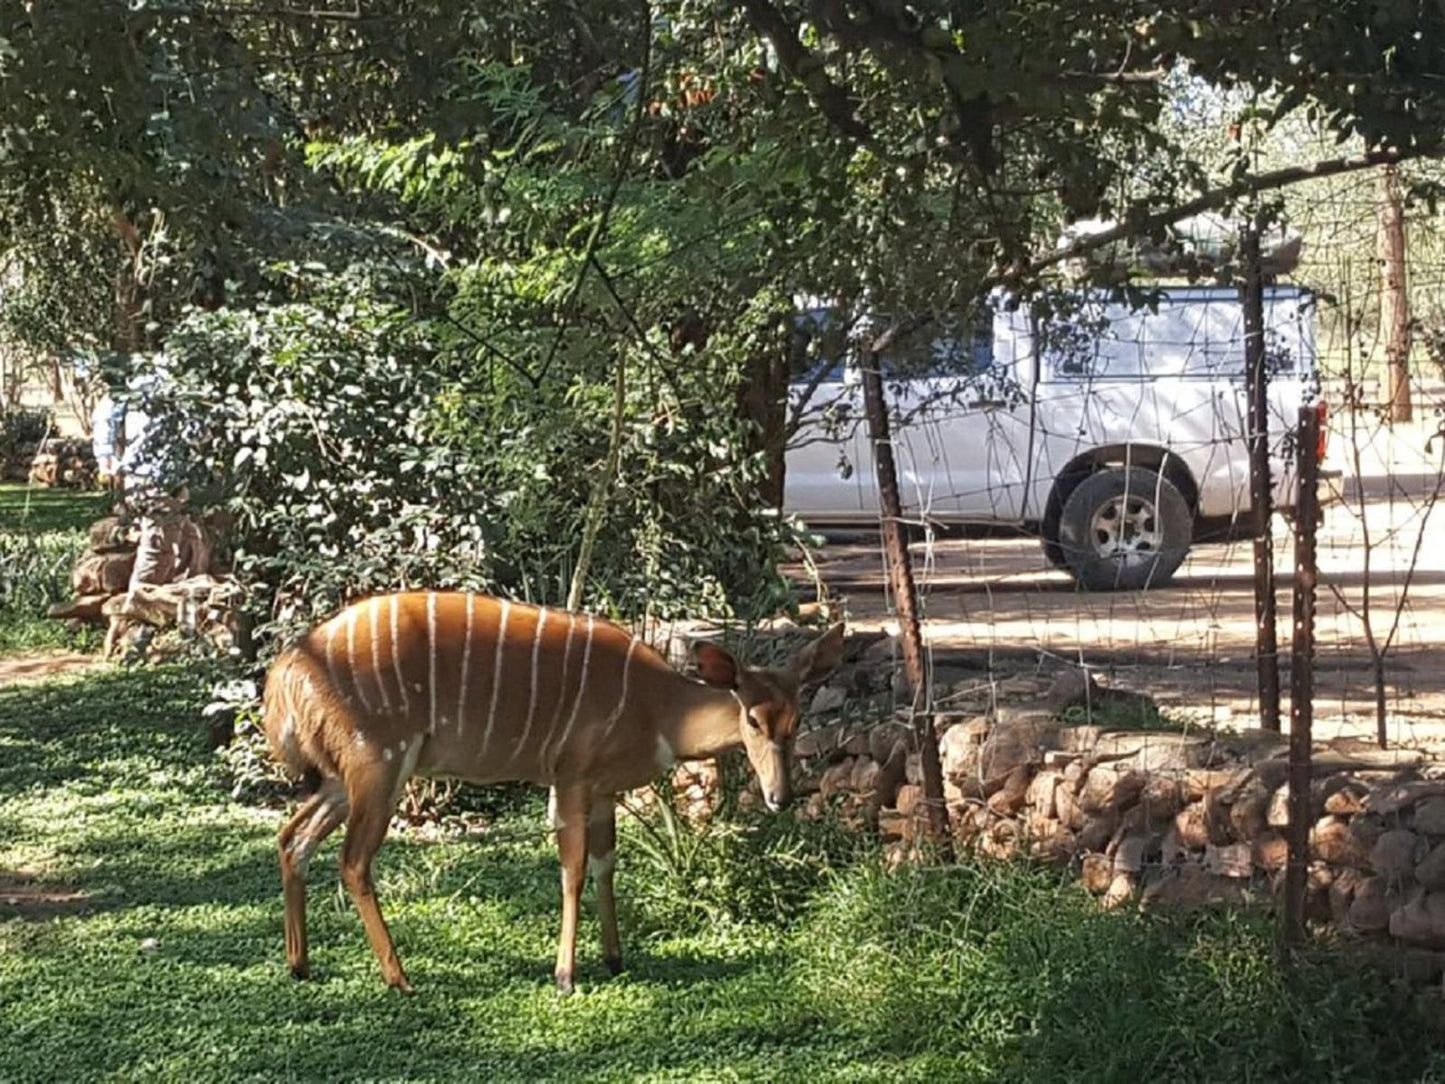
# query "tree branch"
(1136, 224)
(831, 99)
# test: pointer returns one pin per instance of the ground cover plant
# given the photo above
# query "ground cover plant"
(42, 532)
(169, 965)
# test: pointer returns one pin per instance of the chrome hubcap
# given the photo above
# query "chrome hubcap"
(1126, 530)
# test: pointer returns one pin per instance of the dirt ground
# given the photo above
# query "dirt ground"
(995, 604)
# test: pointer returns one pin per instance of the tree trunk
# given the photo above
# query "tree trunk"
(1394, 296)
(1261, 487)
(905, 594)
(762, 401)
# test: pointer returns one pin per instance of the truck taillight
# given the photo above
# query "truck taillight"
(1322, 444)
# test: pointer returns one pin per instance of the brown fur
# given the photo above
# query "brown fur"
(487, 691)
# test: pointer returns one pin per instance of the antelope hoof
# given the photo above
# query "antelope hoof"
(400, 985)
(614, 964)
(301, 971)
(564, 984)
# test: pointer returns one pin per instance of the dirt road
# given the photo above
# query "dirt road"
(995, 603)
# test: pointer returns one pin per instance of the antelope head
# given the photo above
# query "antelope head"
(768, 705)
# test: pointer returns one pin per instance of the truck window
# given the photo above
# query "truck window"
(1199, 335)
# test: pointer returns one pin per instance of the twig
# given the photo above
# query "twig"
(624, 164)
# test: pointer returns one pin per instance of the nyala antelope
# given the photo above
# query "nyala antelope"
(490, 691)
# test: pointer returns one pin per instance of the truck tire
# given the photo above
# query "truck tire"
(1125, 528)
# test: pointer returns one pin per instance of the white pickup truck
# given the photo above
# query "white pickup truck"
(1118, 436)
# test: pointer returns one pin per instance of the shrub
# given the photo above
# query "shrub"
(21, 428)
(357, 456)
(34, 575)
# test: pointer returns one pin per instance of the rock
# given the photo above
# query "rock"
(1066, 807)
(857, 744)
(1278, 813)
(1396, 853)
(1200, 782)
(1162, 797)
(863, 780)
(1121, 888)
(1097, 830)
(1393, 797)
(1331, 841)
(884, 736)
(1154, 750)
(1360, 760)
(1074, 773)
(1370, 909)
(1430, 817)
(1191, 886)
(821, 742)
(1010, 797)
(1001, 841)
(1249, 812)
(1076, 739)
(1345, 798)
(890, 776)
(1192, 825)
(1050, 841)
(1040, 795)
(836, 779)
(1431, 870)
(1271, 851)
(1130, 854)
(1366, 828)
(1069, 688)
(883, 652)
(1232, 860)
(1420, 920)
(829, 698)
(110, 535)
(1107, 788)
(102, 573)
(1020, 686)
(959, 750)
(1342, 889)
(1010, 745)
(908, 799)
(913, 768)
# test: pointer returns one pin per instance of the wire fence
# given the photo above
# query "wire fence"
(1008, 477)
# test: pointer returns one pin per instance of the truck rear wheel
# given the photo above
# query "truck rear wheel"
(1125, 528)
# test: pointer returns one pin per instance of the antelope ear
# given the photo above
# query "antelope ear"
(821, 657)
(716, 666)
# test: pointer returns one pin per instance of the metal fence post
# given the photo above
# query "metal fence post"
(1302, 657)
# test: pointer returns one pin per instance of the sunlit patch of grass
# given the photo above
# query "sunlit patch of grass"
(836, 971)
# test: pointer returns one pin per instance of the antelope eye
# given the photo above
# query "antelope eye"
(753, 722)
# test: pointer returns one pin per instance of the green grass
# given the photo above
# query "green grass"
(42, 532)
(35, 510)
(174, 970)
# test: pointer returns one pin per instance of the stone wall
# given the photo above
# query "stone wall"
(1144, 814)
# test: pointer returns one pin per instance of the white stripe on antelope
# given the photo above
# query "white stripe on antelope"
(627, 712)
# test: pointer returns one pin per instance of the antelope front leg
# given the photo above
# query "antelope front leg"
(601, 861)
(571, 821)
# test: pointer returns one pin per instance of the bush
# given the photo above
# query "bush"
(357, 456)
(21, 428)
(34, 575)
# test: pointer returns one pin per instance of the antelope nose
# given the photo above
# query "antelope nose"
(777, 801)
